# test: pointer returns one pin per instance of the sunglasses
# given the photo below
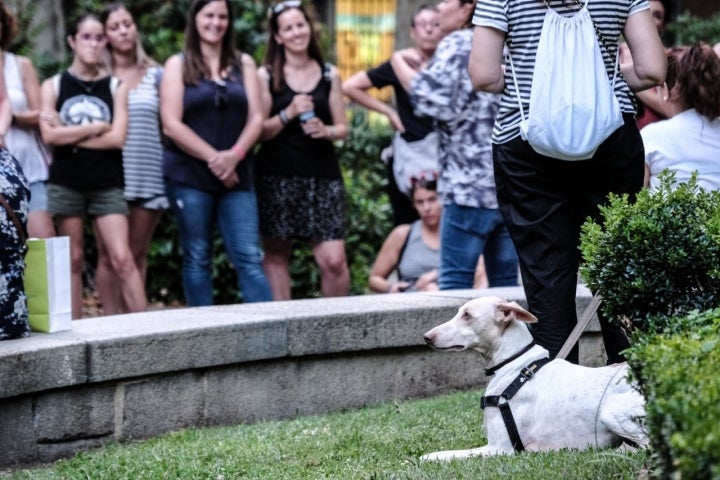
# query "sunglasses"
(282, 6)
(86, 37)
(424, 177)
(221, 97)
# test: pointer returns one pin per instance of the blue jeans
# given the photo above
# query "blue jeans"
(468, 232)
(235, 213)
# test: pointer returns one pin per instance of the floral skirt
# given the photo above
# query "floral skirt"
(311, 209)
(13, 303)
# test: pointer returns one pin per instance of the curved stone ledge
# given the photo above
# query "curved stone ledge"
(140, 375)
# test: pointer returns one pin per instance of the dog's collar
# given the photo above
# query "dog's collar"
(490, 371)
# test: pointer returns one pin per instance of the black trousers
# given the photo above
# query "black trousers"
(403, 209)
(544, 202)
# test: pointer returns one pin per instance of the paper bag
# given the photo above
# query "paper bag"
(47, 284)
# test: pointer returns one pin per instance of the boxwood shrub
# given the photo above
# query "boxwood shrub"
(657, 257)
(678, 373)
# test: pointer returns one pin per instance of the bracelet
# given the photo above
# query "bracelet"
(283, 117)
(239, 151)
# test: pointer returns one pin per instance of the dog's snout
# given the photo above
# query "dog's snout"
(429, 338)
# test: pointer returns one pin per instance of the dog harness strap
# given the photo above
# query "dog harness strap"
(502, 401)
(489, 372)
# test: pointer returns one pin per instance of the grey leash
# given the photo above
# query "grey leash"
(580, 327)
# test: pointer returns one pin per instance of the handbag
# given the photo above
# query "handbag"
(47, 284)
(411, 158)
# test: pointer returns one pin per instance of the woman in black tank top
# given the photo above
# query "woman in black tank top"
(300, 189)
(84, 120)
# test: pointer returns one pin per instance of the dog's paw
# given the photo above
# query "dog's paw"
(447, 455)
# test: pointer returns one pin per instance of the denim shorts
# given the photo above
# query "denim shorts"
(70, 202)
(38, 197)
(159, 202)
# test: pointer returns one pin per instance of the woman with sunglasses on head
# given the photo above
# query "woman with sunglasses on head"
(142, 152)
(413, 250)
(211, 118)
(84, 120)
(300, 186)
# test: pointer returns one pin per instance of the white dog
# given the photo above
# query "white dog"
(557, 405)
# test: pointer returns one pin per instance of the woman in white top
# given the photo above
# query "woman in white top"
(23, 138)
(142, 153)
(689, 141)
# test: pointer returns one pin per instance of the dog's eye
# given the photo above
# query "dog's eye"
(466, 316)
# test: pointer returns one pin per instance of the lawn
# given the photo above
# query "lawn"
(379, 442)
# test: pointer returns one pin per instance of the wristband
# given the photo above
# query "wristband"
(283, 117)
(238, 150)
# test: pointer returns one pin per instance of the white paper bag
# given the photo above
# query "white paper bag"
(47, 284)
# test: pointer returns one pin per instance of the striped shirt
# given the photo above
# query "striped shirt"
(142, 153)
(522, 22)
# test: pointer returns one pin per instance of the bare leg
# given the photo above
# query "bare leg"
(106, 281)
(335, 276)
(113, 230)
(143, 223)
(481, 280)
(73, 227)
(40, 225)
(275, 264)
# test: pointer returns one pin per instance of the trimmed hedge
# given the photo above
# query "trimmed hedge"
(678, 373)
(657, 257)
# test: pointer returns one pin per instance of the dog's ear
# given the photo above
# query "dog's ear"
(511, 310)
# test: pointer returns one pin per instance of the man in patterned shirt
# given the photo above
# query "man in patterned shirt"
(472, 224)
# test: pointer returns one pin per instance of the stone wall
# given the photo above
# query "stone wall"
(136, 376)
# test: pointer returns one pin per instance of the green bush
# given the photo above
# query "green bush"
(677, 373)
(687, 29)
(657, 257)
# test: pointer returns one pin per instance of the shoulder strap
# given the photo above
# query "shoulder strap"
(158, 76)
(56, 84)
(114, 82)
(404, 247)
(14, 218)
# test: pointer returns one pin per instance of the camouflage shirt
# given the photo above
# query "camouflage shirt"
(464, 118)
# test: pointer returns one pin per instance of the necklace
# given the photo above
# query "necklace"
(86, 85)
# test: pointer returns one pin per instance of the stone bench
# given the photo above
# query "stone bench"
(136, 376)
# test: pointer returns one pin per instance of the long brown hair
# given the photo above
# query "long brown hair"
(8, 25)
(274, 60)
(142, 59)
(696, 70)
(194, 67)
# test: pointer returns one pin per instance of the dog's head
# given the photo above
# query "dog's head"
(478, 325)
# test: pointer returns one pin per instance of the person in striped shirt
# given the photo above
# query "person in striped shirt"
(142, 153)
(545, 200)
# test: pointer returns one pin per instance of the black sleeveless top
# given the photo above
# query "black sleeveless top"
(80, 102)
(292, 153)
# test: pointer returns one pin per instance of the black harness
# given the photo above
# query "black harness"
(502, 401)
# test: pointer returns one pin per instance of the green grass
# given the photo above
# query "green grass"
(381, 442)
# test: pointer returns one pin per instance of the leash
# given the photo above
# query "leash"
(580, 326)
(502, 401)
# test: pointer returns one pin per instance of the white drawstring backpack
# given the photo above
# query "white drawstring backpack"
(573, 107)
